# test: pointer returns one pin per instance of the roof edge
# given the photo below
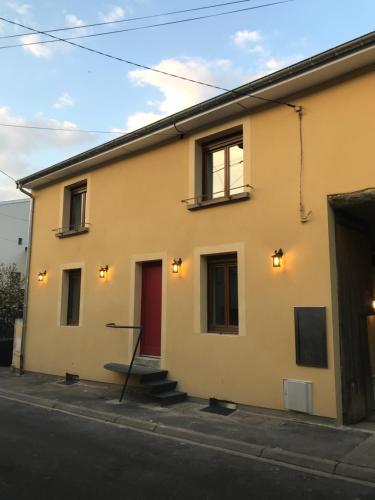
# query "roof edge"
(294, 70)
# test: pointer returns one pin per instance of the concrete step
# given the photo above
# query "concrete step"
(170, 397)
(152, 362)
(159, 386)
(146, 373)
(153, 375)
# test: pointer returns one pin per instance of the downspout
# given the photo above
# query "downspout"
(27, 280)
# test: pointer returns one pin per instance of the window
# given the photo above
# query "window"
(73, 296)
(74, 211)
(222, 293)
(223, 168)
(77, 207)
(20, 241)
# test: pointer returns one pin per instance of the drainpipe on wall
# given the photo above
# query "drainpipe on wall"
(27, 280)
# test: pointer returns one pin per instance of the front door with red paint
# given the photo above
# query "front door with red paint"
(151, 308)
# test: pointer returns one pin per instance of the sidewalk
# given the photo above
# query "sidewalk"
(310, 442)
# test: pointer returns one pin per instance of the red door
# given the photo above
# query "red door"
(151, 308)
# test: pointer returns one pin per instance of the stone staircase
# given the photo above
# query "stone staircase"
(154, 379)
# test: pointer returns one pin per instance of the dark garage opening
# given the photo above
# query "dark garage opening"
(6, 344)
(354, 215)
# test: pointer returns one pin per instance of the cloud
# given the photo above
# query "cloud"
(272, 64)
(40, 51)
(245, 37)
(115, 14)
(63, 101)
(73, 22)
(178, 94)
(20, 9)
(263, 60)
(22, 149)
(140, 119)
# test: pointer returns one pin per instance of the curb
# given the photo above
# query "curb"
(339, 469)
(253, 450)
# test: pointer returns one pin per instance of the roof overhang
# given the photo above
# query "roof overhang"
(305, 75)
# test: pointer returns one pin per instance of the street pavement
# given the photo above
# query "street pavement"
(49, 454)
(313, 443)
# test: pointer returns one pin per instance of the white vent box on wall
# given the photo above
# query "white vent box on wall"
(298, 396)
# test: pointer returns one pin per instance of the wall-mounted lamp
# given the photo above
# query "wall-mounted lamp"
(176, 265)
(373, 304)
(42, 275)
(277, 258)
(103, 270)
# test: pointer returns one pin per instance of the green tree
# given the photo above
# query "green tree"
(11, 297)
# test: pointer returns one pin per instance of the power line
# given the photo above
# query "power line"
(10, 177)
(57, 129)
(159, 71)
(69, 28)
(136, 28)
(12, 217)
(11, 241)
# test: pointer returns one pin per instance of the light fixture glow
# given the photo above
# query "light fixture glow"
(42, 275)
(176, 265)
(373, 304)
(103, 270)
(277, 258)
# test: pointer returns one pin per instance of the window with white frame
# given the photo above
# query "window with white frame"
(222, 167)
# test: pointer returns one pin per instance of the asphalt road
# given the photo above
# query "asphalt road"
(46, 454)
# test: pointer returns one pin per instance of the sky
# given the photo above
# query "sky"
(61, 86)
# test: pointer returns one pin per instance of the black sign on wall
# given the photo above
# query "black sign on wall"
(311, 336)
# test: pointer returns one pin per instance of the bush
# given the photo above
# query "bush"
(11, 297)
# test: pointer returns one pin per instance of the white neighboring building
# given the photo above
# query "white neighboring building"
(14, 228)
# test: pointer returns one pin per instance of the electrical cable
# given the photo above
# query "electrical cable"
(10, 177)
(12, 217)
(69, 28)
(57, 129)
(11, 241)
(143, 66)
(136, 28)
(304, 217)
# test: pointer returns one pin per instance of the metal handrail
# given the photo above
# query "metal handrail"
(128, 327)
(200, 196)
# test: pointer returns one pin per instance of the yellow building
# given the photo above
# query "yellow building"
(284, 163)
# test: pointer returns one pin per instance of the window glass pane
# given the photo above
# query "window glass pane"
(236, 169)
(215, 174)
(74, 295)
(233, 296)
(76, 211)
(218, 173)
(218, 296)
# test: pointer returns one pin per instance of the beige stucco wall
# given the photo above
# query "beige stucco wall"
(134, 209)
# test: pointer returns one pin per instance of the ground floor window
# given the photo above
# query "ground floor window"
(73, 277)
(222, 293)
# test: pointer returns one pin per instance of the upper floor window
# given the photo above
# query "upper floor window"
(74, 211)
(223, 173)
(77, 207)
(217, 170)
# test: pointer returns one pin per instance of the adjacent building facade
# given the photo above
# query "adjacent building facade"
(14, 227)
(179, 226)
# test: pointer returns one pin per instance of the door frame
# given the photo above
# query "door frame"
(135, 299)
(334, 210)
